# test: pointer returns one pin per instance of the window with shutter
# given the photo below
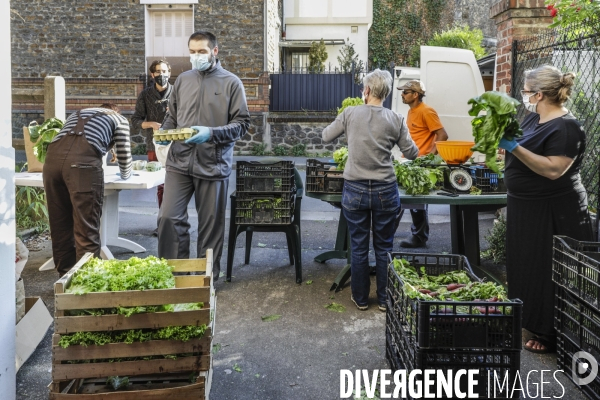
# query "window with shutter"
(171, 31)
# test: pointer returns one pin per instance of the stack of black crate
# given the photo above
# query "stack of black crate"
(265, 192)
(452, 335)
(323, 177)
(576, 274)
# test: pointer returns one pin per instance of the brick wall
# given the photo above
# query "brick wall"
(83, 39)
(98, 46)
(106, 39)
(515, 19)
(239, 27)
(273, 34)
(257, 92)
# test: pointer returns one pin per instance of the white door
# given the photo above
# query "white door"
(170, 33)
(402, 75)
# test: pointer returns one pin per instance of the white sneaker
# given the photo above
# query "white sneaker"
(361, 308)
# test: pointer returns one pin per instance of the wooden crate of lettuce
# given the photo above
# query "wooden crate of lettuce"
(130, 329)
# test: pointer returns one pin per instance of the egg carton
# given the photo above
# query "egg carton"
(173, 134)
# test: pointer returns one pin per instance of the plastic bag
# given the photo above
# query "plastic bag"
(162, 152)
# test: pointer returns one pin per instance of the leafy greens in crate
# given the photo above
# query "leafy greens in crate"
(449, 286)
(114, 275)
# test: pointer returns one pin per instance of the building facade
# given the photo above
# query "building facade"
(337, 22)
(102, 49)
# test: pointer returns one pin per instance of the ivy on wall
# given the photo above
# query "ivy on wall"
(401, 26)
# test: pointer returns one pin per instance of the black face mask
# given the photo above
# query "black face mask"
(162, 80)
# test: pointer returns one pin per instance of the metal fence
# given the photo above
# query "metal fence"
(299, 89)
(575, 48)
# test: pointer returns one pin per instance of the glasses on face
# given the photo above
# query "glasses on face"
(407, 91)
(527, 93)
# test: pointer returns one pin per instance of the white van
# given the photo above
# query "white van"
(451, 78)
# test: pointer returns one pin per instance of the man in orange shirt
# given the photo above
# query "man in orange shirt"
(425, 128)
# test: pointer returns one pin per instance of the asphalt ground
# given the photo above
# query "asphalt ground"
(300, 355)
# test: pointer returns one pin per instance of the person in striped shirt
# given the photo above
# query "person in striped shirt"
(74, 180)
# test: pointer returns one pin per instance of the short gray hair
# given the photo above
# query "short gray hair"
(380, 82)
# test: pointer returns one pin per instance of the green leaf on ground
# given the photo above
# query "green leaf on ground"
(257, 375)
(335, 307)
(269, 318)
(237, 368)
(262, 245)
(309, 282)
(216, 348)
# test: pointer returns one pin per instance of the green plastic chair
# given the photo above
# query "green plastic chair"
(292, 232)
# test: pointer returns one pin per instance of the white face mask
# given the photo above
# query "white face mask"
(201, 62)
(528, 106)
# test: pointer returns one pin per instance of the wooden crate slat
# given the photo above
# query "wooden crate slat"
(122, 350)
(65, 280)
(147, 378)
(182, 281)
(189, 289)
(131, 298)
(188, 265)
(62, 372)
(113, 322)
(192, 391)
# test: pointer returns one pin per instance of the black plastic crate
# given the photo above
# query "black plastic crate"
(275, 209)
(451, 324)
(321, 178)
(576, 267)
(401, 354)
(253, 177)
(566, 349)
(578, 321)
(488, 181)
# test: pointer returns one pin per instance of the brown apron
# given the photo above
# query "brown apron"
(74, 185)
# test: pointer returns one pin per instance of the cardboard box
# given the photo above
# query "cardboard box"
(31, 329)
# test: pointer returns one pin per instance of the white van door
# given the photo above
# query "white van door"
(451, 78)
(401, 76)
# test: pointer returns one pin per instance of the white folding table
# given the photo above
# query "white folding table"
(109, 223)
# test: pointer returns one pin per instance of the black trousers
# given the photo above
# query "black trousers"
(74, 185)
(173, 226)
(530, 226)
(420, 224)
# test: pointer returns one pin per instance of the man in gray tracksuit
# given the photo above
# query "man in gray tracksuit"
(212, 101)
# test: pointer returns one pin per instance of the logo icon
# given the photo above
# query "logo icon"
(582, 361)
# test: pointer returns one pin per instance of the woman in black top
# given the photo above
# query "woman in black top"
(545, 198)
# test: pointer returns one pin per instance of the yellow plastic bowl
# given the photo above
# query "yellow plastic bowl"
(455, 151)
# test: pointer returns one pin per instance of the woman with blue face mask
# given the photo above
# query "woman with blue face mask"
(545, 197)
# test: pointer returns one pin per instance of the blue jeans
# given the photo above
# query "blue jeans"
(366, 205)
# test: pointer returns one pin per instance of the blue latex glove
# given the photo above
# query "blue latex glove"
(508, 145)
(202, 136)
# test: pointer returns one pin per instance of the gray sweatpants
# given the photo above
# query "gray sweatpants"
(173, 226)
